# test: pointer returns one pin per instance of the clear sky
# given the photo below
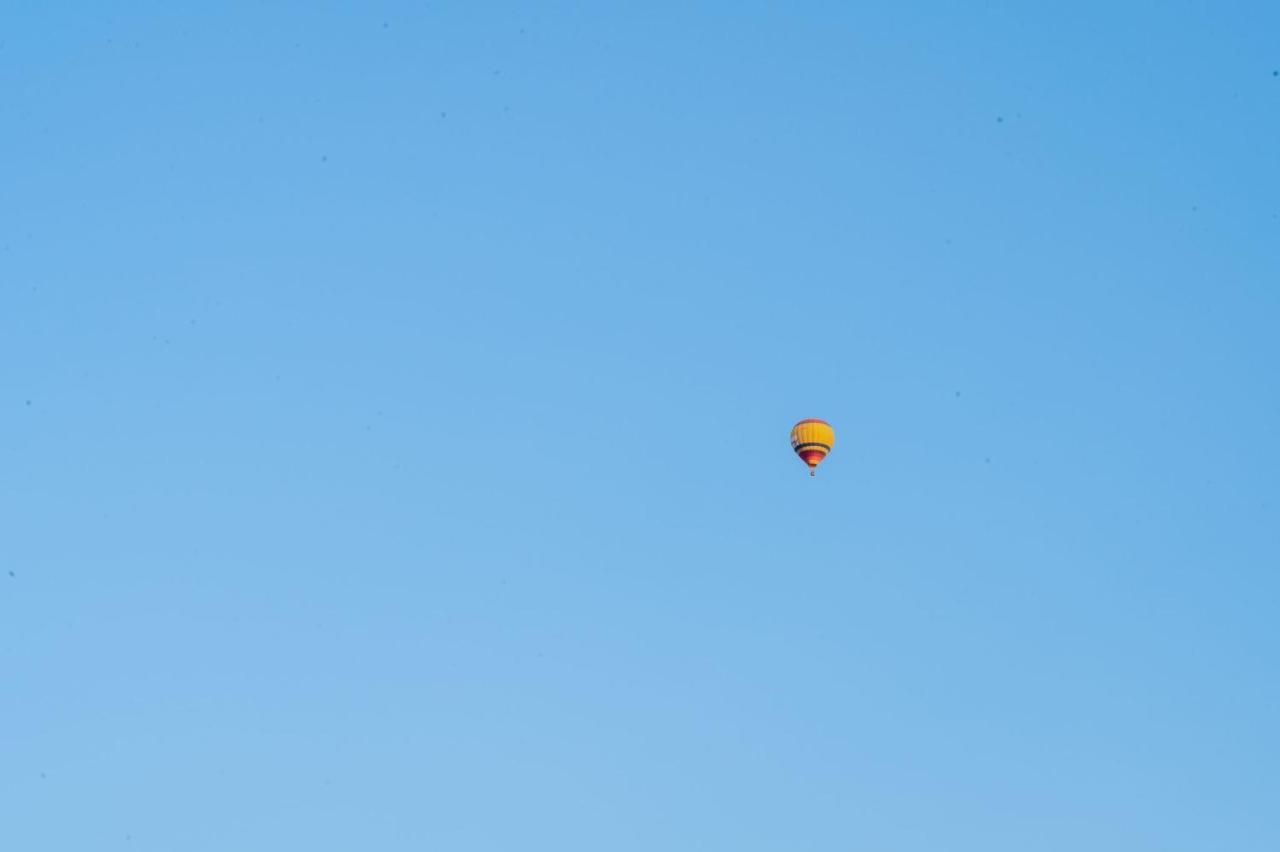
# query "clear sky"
(394, 402)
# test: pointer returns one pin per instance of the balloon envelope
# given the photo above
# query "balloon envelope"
(812, 439)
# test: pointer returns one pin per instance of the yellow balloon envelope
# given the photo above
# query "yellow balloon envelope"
(812, 440)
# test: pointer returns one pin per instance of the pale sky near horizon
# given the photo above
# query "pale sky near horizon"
(394, 403)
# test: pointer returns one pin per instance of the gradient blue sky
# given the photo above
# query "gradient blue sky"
(394, 402)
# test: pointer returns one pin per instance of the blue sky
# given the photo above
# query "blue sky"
(394, 403)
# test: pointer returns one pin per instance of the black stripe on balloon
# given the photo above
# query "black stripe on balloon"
(799, 447)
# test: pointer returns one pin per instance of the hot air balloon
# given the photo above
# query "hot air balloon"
(812, 439)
